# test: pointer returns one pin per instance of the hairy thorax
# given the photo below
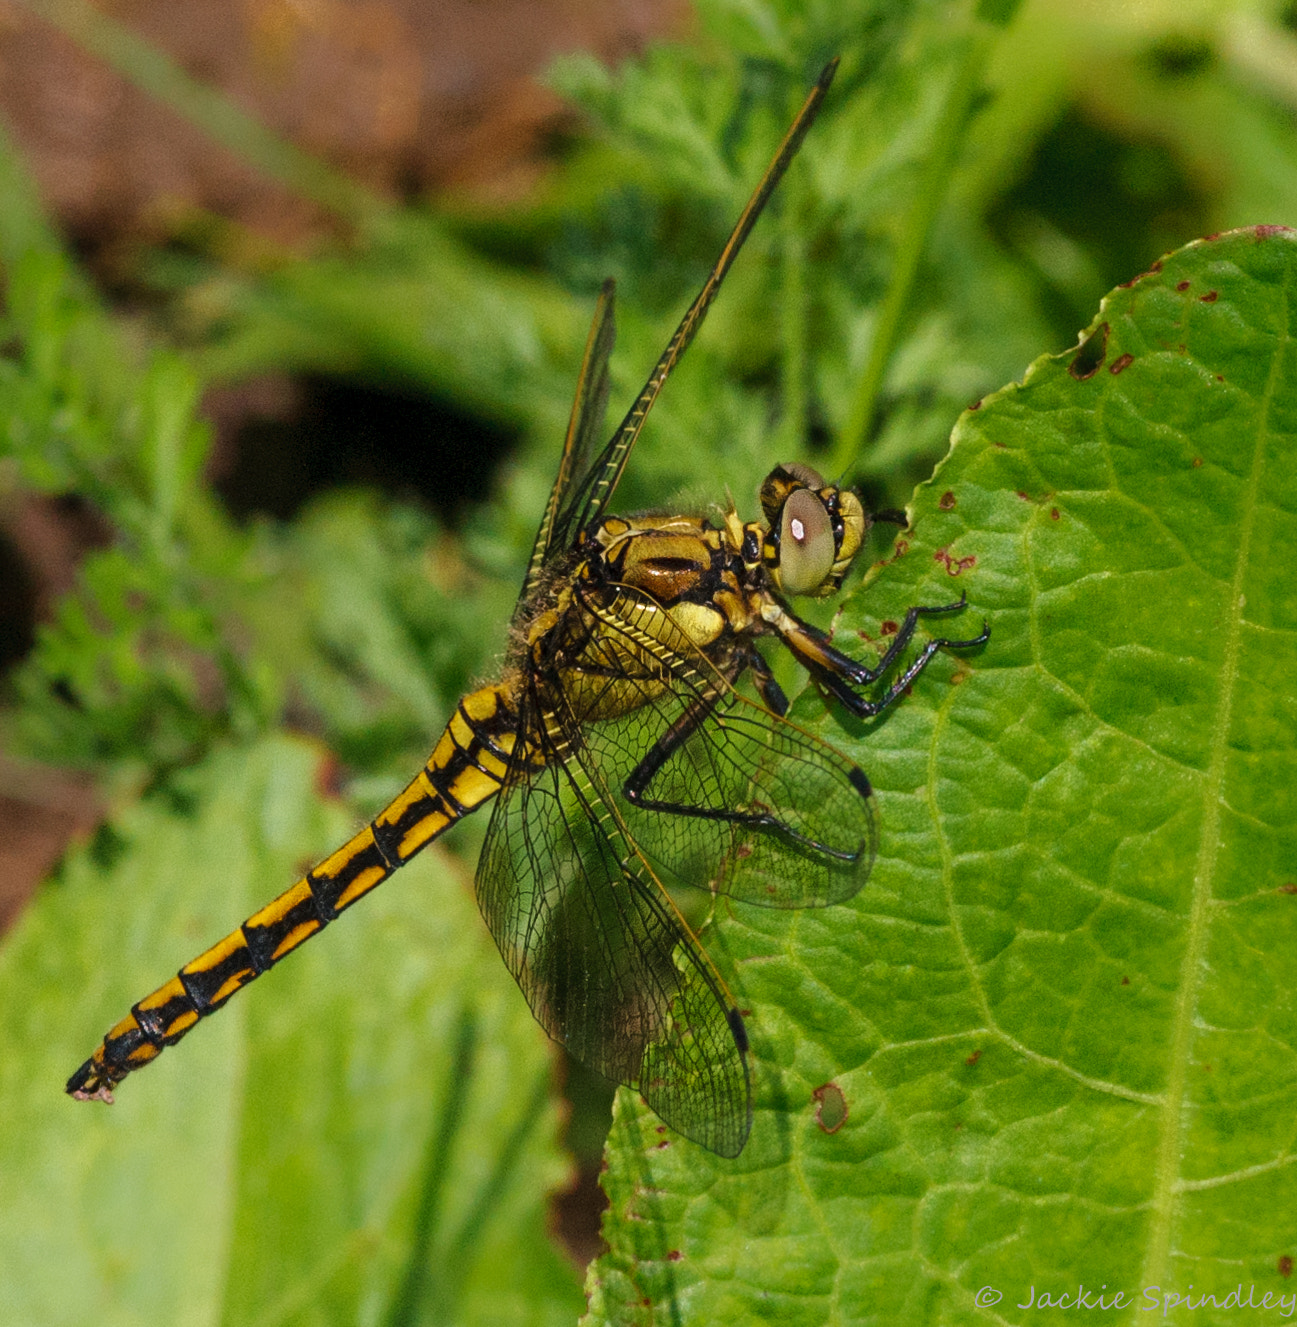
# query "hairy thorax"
(646, 593)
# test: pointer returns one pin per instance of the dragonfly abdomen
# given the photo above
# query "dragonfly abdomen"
(466, 768)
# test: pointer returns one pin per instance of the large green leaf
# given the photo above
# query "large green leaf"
(363, 1136)
(1054, 1041)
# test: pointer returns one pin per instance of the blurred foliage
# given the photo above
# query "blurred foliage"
(1071, 146)
(980, 176)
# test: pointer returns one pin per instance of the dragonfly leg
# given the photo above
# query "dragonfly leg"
(694, 716)
(689, 722)
(761, 812)
(771, 692)
(840, 675)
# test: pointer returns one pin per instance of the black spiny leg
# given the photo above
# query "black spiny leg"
(839, 674)
(771, 692)
(693, 718)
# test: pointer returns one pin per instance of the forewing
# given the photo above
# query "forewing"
(606, 963)
(584, 428)
(591, 495)
(760, 809)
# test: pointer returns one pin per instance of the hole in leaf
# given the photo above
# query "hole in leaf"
(1093, 351)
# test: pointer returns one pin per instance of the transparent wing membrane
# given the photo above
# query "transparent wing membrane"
(589, 409)
(730, 796)
(606, 963)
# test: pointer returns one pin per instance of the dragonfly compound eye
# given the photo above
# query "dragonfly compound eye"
(807, 548)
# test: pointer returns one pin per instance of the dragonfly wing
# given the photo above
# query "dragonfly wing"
(738, 799)
(585, 426)
(592, 494)
(607, 964)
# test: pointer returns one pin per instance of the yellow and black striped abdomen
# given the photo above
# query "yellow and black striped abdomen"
(466, 769)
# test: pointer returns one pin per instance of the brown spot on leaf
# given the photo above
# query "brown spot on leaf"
(1268, 232)
(830, 1107)
(1285, 1266)
(1125, 981)
(947, 501)
(888, 627)
(674, 1255)
(954, 565)
(1182, 285)
(1023, 496)
(1209, 298)
(976, 405)
(1090, 354)
(1289, 887)
(1197, 462)
(973, 1058)
(1121, 362)
(1053, 513)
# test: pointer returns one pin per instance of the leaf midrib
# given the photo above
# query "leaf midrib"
(1167, 1181)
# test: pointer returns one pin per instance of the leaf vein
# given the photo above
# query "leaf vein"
(1166, 1184)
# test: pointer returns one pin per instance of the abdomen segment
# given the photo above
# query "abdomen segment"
(466, 769)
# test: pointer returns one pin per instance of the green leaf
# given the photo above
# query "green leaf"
(365, 1135)
(1060, 1019)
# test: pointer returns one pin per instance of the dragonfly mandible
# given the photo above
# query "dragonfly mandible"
(622, 761)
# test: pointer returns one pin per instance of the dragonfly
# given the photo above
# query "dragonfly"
(624, 762)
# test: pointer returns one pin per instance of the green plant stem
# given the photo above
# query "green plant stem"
(406, 1309)
(150, 70)
(948, 138)
(460, 1250)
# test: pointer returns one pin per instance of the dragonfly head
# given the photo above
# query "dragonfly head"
(814, 530)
